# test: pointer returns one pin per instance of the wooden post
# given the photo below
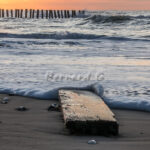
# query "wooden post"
(37, 14)
(30, 13)
(15, 13)
(0, 13)
(42, 14)
(58, 13)
(11, 13)
(18, 13)
(3, 13)
(68, 14)
(72, 13)
(7, 13)
(33, 13)
(55, 15)
(21, 13)
(75, 13)
(51, 14)
(46, 14)
(65, 12)
(86, 113)
(62, 16)
(26, 13)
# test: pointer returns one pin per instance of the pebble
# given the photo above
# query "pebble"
(54, 107)
(92, 142)
(21, 108)
(5, 100)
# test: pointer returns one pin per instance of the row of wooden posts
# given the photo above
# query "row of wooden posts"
(32, 13)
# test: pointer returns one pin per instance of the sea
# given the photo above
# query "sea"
(114, 45)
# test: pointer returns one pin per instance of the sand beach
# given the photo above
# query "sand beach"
(39, 129)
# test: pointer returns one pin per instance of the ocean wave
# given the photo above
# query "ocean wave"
(56, 35)
(109, 19)
(65, 36)
(114, 18)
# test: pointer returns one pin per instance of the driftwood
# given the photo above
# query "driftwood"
(85, 112)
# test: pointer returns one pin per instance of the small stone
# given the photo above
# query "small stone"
(92, 142)
(5, 100)
(54, 107)
(21, 108)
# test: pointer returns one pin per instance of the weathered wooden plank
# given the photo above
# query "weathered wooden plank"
(85, 112)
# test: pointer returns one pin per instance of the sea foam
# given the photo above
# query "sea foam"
(137, 103)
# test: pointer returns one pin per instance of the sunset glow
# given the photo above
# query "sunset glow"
(78, 4)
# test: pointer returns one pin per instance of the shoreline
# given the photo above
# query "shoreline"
(39, 129)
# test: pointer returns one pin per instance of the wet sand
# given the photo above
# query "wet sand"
(39, 129)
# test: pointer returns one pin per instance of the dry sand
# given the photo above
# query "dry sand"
(39, 129)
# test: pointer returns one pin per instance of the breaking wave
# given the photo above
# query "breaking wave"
(108, 19)
(114, 18)
(56, 35)
(68, 35)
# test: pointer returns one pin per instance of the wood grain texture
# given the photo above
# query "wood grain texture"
(85, 112)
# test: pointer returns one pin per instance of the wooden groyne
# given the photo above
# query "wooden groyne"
(37, 14)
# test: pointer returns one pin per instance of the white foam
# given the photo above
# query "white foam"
(50, 94)
(120, 102)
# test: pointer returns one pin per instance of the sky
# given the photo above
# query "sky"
(78, 4)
